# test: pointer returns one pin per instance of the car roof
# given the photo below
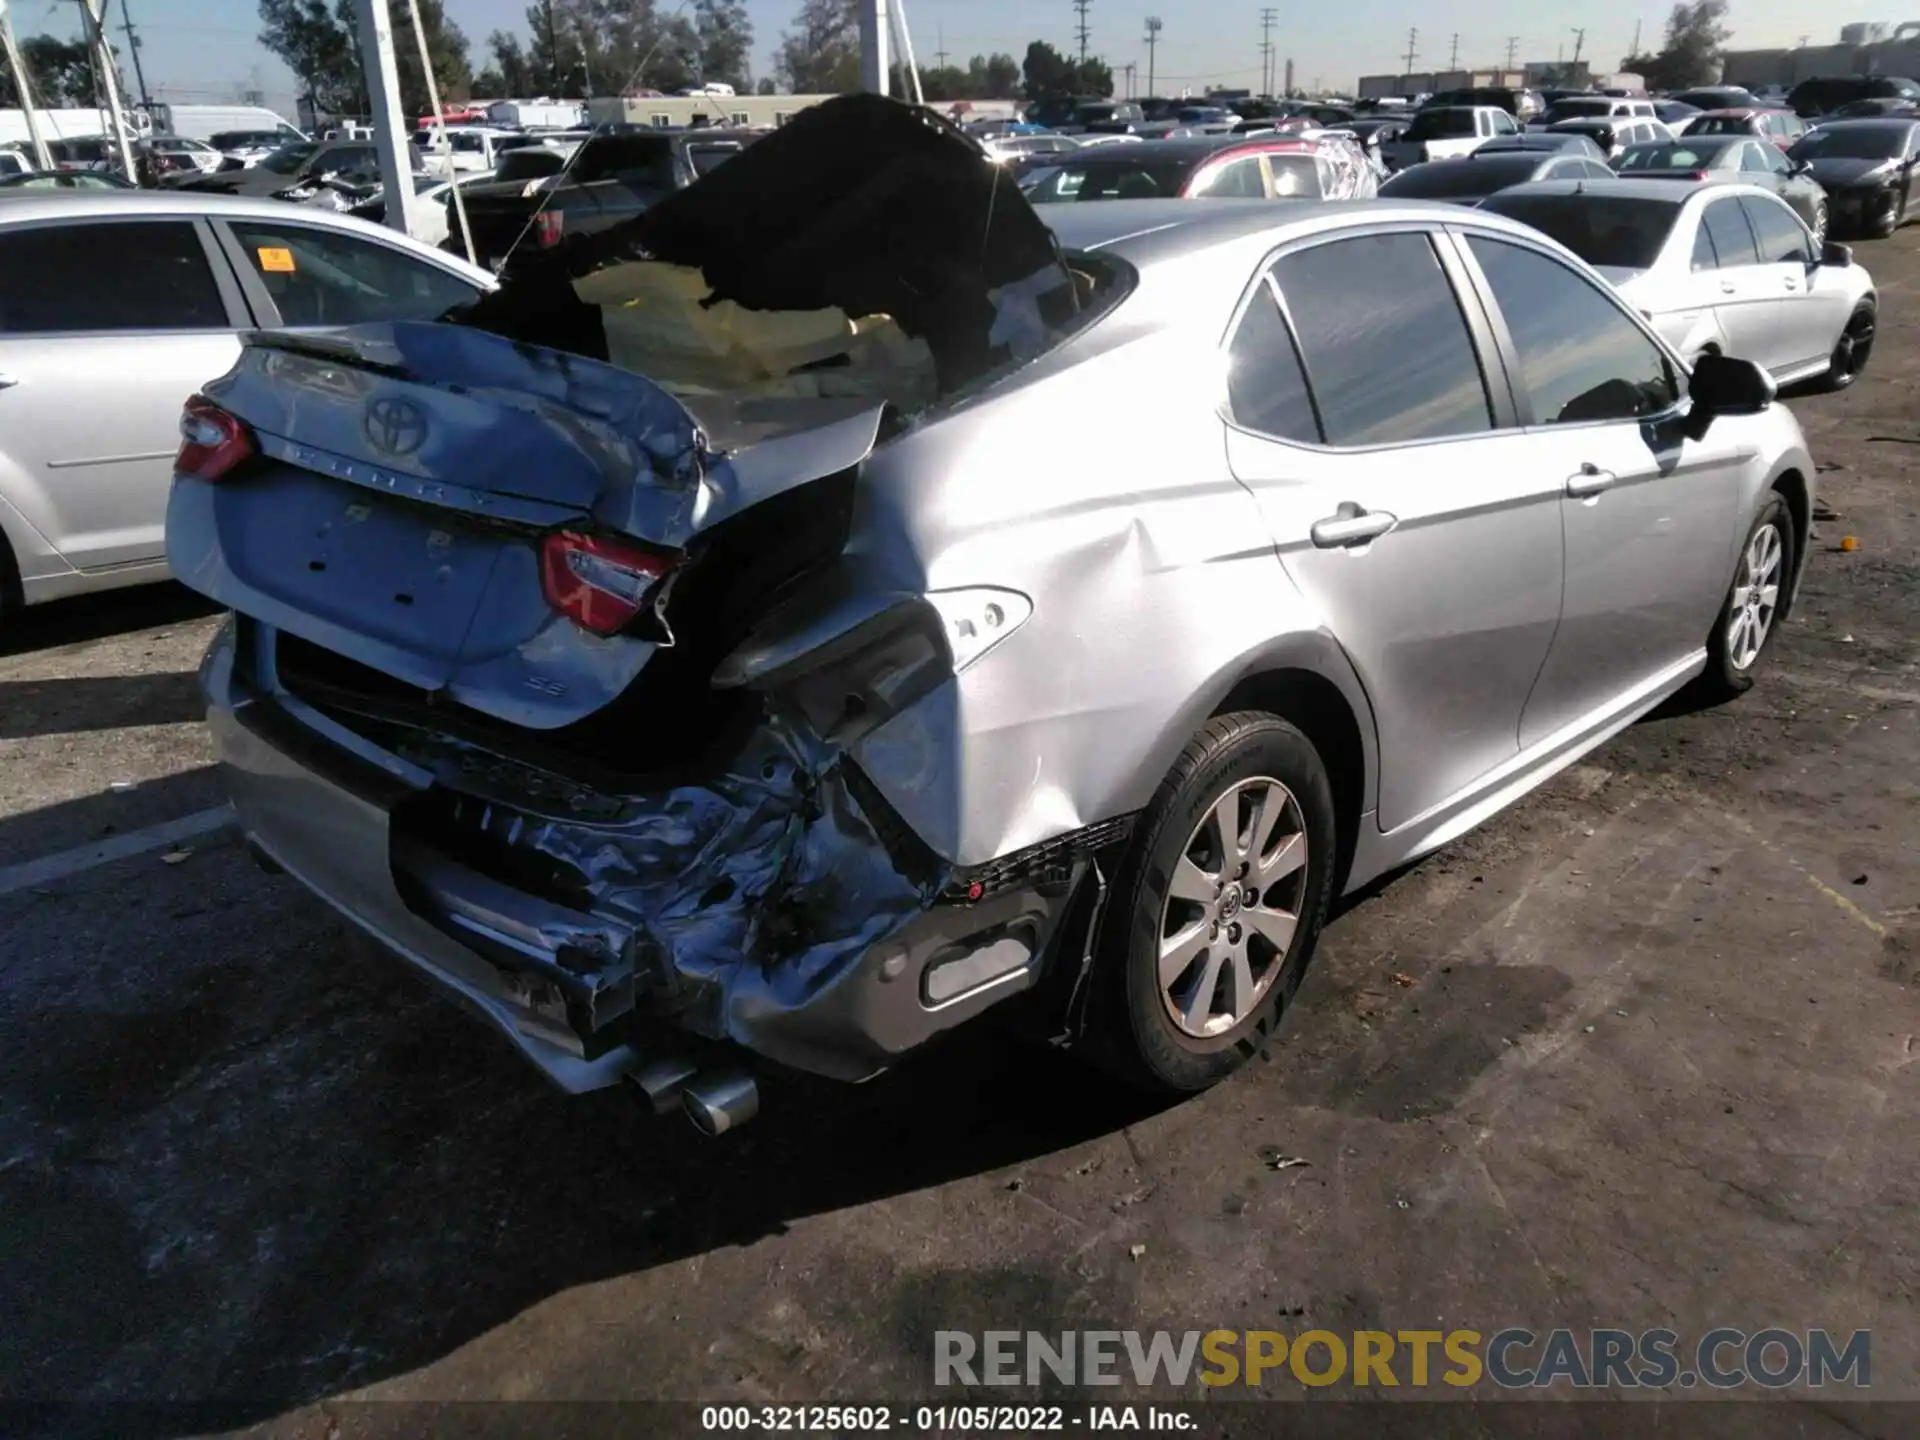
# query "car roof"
(1196, 147)
(1625, 189)
(1869, 122)
(1742, 112)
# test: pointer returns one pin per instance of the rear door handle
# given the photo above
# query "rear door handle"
(1591, 480)
(1789, 282)
(1727, 287)
(1352, 526)
(7, 381)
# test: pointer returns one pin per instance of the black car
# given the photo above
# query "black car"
(293, 165)
(1827, 93)
(1876, 108)
(1521, 104)
(1561, 142)
(1866, 168)
(1718, 97)
(1472, 178)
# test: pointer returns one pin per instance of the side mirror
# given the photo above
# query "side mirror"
(1835, 254)
(1722, 385)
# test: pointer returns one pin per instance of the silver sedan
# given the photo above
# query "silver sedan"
(1304, 540)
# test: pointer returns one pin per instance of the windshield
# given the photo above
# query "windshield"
(1148, 180)
(705, 159)
(1087, 114)
(1671, 157)
(289, 158)
(1601, 230)
(1584, 107)
(1851, 142)
(1440, 124)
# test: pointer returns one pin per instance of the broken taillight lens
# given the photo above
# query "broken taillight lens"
(597, 583)
(212, 442)
(547, 227)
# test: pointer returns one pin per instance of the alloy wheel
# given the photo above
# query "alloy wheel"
(1232, 907)
(1856, 344)
(1756, 597)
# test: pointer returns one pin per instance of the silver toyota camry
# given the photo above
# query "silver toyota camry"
(1233, 555)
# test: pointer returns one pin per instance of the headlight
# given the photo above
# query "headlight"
(977, 619)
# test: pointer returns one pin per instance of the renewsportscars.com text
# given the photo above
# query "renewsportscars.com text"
(1513, 1358)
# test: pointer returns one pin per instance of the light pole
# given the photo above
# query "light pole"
(1153, 39)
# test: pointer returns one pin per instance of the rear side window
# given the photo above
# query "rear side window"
(1581, 359)
(1235, 180)
(143, 275)
(1779, 234)
(1731, 236)
(1385, 343)
(324, 277)
(1266, 387)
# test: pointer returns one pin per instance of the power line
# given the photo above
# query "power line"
(1080, 29)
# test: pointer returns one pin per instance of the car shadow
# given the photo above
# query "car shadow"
(97, 617)
(72, 704)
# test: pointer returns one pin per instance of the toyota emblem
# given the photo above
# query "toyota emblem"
(395, 427)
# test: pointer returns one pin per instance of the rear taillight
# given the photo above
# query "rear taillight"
(547, 226)
(212, 442)
(597, 583)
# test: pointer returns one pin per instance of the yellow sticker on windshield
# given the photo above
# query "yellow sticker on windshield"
(275, 259)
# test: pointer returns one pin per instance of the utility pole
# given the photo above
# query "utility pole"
(107, 76)
(1288, 93)
(1513, 44)
(1636, 39)
(1267, 18)
(1453, 52)
(389, 120)
(1579, 39)
(1153, 38)
(133, 48)
(875, 63)
(1080, 27)
(1413, 34)
(11, 53)
(1127, 70)
(940, 40)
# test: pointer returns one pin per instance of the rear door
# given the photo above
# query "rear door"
(1381, 447)
(1648, 515)
(1747, 297)
(1812, 315)
(106, 326)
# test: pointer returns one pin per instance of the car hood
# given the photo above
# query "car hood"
(1846, 170)
(251, 181)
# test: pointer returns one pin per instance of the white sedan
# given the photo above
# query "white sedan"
(1717, 269)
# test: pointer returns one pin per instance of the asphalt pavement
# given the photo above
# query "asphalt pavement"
(1639, 1052)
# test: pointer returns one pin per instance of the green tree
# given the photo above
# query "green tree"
(767, 86)
(995, 78)
(1696, 40)
(316, 41)
(1047, 73)
(60, 72)
(820, 53)
(446, 49)
(726, 42)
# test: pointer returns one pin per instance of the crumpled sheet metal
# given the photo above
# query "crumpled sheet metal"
(747, 893)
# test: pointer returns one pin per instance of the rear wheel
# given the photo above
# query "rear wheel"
(1852, 351)
(1762, 582)
(1886, 219)
(1218, 905)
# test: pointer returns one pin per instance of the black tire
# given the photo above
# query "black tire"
(1132, 1028)
(1854, 349)
(1724, 678)
(1888, 220)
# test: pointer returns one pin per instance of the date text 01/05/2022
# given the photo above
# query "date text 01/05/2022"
(938, 1419)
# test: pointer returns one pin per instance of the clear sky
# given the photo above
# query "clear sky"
(205, 50)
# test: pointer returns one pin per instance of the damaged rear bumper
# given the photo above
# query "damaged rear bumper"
(719, 910)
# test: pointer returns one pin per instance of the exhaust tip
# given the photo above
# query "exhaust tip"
(658, 1083)
(720, 1100)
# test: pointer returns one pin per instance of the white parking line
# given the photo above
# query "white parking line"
(50, 868)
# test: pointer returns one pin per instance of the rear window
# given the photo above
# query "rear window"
(646, 156)
(1721, 125)
(1671, 157)
(1440, 124)
(1579, 109)
(1601, 230)
(1478, 176)
(530, 163)
(705, 159)
(1150, 180)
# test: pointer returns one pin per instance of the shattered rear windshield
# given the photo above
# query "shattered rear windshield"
(1601, 230)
